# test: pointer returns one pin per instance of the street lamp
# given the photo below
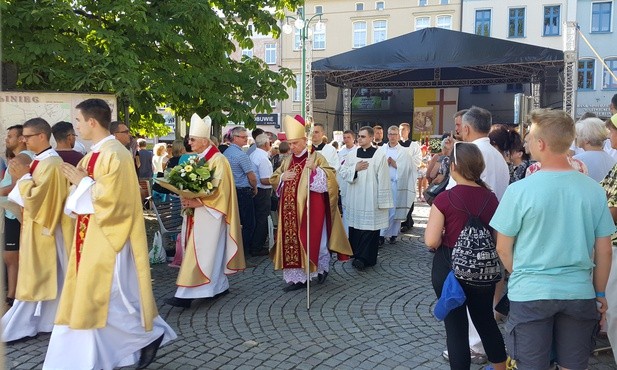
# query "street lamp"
(303, 26)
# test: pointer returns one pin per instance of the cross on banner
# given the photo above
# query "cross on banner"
(441, 103)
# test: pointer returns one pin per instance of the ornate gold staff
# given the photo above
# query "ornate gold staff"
(308, 127)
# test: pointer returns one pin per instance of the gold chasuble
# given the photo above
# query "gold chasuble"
(43, 197)
(117, 218)
(198, 261)
(289, 246)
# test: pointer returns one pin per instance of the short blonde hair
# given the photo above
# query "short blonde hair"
(554, 127)
(592, 131)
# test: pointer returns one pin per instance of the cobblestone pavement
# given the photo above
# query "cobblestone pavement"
(376, 319)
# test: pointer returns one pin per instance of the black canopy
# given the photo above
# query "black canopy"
(435, 57)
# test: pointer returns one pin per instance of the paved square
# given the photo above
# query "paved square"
(380, 318)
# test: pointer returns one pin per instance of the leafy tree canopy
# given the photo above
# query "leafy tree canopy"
(149, 53)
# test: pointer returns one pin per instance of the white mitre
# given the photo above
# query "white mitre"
(200, 127)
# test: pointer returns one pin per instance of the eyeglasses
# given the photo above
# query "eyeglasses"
(241, 136)
(362, 136)
(121, 132)
(31, 135)
(192, 139)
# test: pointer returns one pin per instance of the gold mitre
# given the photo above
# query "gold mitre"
(614, 120)
(294, 127)
(200, 127)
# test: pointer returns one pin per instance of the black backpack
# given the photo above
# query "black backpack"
(474, 257)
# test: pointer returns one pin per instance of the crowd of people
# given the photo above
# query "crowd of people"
(548, 197)
(550, 200)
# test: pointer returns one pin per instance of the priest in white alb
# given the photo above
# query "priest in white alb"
(213, 247)
(368, 198)
(403, 176)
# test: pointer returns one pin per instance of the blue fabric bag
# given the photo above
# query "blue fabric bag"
(452, 296)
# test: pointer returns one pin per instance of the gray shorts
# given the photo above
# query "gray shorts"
(565, 328)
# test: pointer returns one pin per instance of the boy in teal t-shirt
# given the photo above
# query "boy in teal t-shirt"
(553, 229)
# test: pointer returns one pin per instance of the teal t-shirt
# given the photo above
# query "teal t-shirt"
(555, 217)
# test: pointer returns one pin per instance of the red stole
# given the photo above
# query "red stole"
(294, 232)
(83, 220)
(33, 166)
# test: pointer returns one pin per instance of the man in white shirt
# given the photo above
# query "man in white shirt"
(261, 201)
(475, 126)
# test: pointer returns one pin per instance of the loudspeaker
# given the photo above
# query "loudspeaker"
(320, 88)
(551, 79)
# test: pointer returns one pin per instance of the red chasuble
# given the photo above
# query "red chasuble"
(294, 236)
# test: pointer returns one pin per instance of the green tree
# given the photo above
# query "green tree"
(149, 53)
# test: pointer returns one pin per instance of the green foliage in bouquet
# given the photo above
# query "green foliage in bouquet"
(434, 145)
(195, 176)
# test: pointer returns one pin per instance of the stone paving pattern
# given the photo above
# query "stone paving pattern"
(380, 318)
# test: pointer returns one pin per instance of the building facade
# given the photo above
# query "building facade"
(541, 23)
(595, 85)
(268, 49)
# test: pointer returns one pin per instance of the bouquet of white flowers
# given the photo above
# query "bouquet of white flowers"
(193, 179)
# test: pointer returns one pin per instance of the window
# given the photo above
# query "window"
(481, 89)
(247, 52)
(601, 16)
(359, 7)
(444, 2)
(516, 25)
(298, 90)
(422, 22)
(273, 103)
(380, 5)
(422, 2)
(319, 38)
(444, 21)
(585, 74)
(551, 20)
(609, 81)
(380, 31)
(318, 9)
(514, 87)
(251, 29)
(359, 34)
(270, 57)
(300, 11)
(483, 22)
(297, 39)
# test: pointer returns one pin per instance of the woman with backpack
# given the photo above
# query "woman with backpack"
(458, 220)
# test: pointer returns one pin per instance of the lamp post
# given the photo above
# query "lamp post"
(303, 26)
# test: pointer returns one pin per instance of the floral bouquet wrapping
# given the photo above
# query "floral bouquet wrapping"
(194, 179)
